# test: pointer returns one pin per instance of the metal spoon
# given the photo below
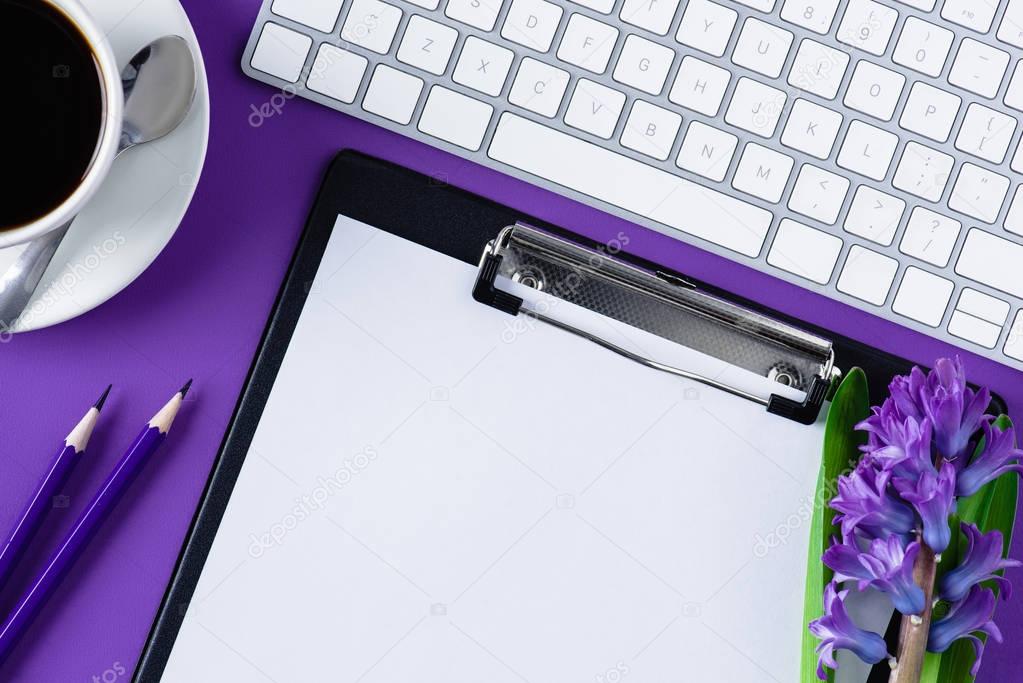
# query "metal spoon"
(159, 86)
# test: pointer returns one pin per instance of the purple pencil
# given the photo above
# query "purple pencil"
(51, 484)
(124, 473)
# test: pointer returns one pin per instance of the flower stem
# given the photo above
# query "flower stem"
(914, 630)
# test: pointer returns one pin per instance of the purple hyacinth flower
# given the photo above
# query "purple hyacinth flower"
(900, 444)
(943, 398)
(837, 631)
(954, 409)
(965, 618)
(999, 456)
(886, 566)
(906, 391)
(883, 427)
(892, 564)
(933, 497)
(982, 559)
(866, 504)
(844, 559)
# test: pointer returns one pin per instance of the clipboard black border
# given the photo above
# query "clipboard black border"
(426, 210)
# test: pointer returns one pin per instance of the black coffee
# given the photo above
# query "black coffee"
(52, 109)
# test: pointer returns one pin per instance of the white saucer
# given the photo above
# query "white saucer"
(142, 201)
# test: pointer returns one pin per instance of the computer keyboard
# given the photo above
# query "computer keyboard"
(869, 151)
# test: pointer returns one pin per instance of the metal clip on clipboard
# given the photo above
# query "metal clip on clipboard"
(664, 305)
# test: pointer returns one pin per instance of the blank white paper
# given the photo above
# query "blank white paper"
(441, 492)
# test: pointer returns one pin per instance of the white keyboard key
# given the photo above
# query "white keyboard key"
(1014, 342)
(337, 73)
(650, 130)
(1014, 219)
(453, 117)
(426, 4)
(281, 52)
(707, 151)
(930, 236)
(970, 328)
(978, 68)
(372, 25)
(923, 172)
(706, 26)
(930, 112)
(867, 25)
(595, 108)
(818, 194)
(483, 66)
(318, 14)
(1014, 93)
(867, 150)
(538, 87)
(867, 275)
(427, 45)
(979, 193)
(804, 251)
(923, 296)
(1011, 29)
(630, 185)
(986, 133)
(874, 90)
(923, 46)
(762, 172)
(602, 6)
(653, 15)
(1017, 159)
(978, 317)
(811, 128)
(699, 86)
(983, 306)
(818, 69)
(643, 64)
(762, 47)
(479, 13)
(762, 5)
(532, 23)
(992, 261)
(813, 15)
(874, 215)
(587, 43)
(973, 14)
(925, 5)
(755, 107)
(392, 94)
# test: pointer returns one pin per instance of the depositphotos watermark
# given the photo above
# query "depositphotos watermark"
(613, 675)
(780, 535)
(114, 673)
(314, 501)
(325, 60)
(64, 286)
(559, 291)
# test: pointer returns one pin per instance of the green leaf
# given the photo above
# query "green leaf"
(931, 669)
(992, 507)
(850, 405)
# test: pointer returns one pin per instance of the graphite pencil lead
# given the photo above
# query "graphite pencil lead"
(184, 389)
(98, 405)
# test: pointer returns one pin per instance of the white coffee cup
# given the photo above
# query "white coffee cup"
(112, 99)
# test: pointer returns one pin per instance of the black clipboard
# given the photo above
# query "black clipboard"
(446, 219)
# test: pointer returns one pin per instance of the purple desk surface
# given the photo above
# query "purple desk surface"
(199, 310)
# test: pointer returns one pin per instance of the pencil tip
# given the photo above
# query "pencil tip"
(103, 399)
(184, 389)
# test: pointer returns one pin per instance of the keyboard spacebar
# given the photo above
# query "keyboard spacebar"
(630, 185)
